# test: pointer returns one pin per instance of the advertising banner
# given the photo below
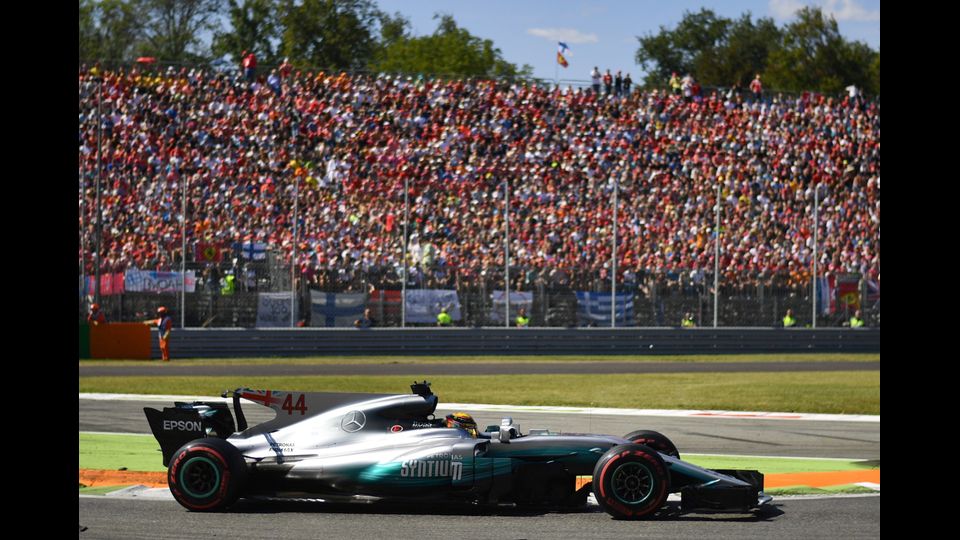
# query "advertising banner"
(423, 305)
(273, 310)
(517, 300)
(165, 282)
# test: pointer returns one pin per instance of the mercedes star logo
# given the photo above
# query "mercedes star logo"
(353, 421)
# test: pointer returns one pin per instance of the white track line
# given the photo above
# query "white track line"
(825, 496)
(143, 492)
(724, 415)
(771, 457)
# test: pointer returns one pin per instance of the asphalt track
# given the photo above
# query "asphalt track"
(453, 368)
(743, 436)
(853, 517)
(109, 517)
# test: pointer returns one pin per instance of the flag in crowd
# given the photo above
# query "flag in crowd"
(826, 287)
(562, 49)
(873, 290)
(389, 300)
(594, 308)
(207, 252)
(254, 251)
(335, 309)
(848, 292)
(110, 284)
(518, 299)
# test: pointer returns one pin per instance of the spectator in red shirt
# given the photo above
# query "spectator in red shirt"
(285, 68)
(757, 88)
(249, 65)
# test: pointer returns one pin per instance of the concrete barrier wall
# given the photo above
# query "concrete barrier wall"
(291, 342)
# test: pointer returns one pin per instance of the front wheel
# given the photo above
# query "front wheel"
(631, 481)
(206, 475)
(654, 439)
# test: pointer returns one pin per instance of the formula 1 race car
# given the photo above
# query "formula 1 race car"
(392, 448)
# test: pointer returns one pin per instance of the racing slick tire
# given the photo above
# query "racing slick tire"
(655, 440)
(206, 475)
(631, 481)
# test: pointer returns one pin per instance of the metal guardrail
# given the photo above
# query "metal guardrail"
(292, 342)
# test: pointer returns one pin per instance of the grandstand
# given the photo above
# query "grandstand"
(348, 148)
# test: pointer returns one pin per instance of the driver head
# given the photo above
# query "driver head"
(463, 421)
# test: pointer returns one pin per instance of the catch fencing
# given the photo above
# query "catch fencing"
(223, 343)
(654, 300)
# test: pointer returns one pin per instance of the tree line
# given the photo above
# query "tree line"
(807, 54)
(349, 35)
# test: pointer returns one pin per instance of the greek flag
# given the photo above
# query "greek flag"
(593, 309)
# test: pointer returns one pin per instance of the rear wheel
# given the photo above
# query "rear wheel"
(631, 481)
(206, 475)
(655, 440)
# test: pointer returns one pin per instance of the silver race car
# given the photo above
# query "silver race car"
(393, 448)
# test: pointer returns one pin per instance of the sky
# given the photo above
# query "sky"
(603, 33)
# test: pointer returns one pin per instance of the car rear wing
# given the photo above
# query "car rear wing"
(175, 426)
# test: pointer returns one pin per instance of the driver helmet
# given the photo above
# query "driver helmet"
(463, 421)
(161, 310)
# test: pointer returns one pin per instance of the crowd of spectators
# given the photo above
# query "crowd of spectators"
(347, 144)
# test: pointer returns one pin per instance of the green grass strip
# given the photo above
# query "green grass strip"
(777, 465)
(113, 452)
(323, 360)
(838, 392)
(849, 489)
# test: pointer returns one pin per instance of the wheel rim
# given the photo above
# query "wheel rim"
(632, 483)
(200, 477)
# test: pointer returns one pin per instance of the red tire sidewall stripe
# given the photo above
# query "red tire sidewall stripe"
(175, 488)
(648, 459)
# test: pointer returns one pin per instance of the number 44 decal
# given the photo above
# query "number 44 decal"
(290, 407)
